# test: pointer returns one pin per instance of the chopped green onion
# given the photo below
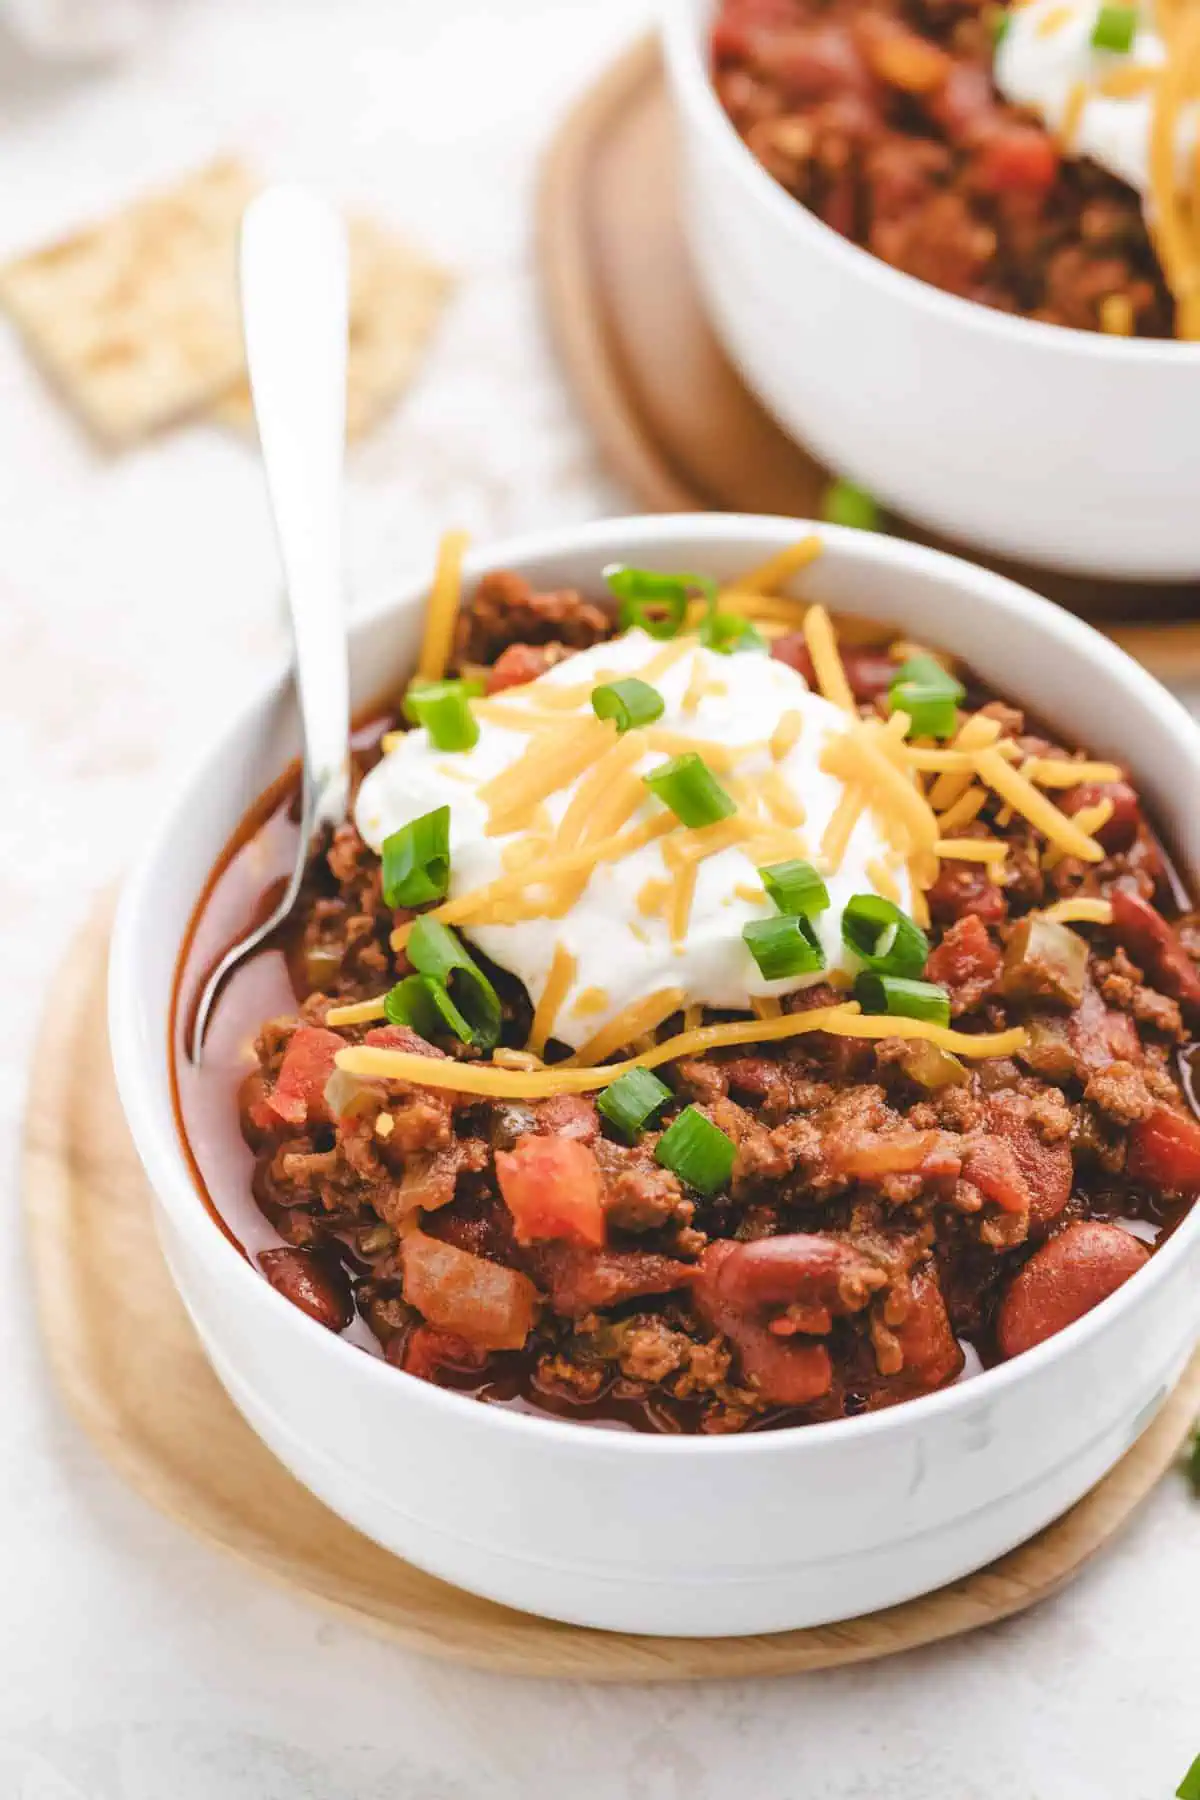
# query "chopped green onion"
(443, 708)
(693, 1148)
(726, 632)
(903, 999)
(929, 694)
(1189, 1787)
(688, 786)
(1000, 22)
(883, 937)
(416, 860)
(435, 951)
(654, 603)
(424, 1004)
(845, 504)
(783, 947)
(632, 1101)
(795, 887)
(630, 702)
(1115, 28)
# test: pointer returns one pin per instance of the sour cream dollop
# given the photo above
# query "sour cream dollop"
(623, 948)
(1047, 52)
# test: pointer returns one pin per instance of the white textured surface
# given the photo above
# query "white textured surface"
(135, 606)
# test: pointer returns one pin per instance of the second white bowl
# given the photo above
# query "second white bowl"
(1065, 448)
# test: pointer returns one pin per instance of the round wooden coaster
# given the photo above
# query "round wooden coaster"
(132, 1371)
(668, 409)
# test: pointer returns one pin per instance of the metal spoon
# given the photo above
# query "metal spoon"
(294, 287)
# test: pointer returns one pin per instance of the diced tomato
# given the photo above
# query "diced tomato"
(962, 888)
(966, 961)
(993, 1169)
(1155, 945)
(428, 1349)
(1018, 159)
(553, 1188)
(1165, 1148)
(298, 1096)
(519, 664)
(467, 1296)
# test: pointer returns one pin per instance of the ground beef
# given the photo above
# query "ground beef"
(881, 116)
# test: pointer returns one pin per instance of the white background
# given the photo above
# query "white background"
(136, 607)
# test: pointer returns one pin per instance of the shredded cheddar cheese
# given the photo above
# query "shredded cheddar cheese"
(572, 1077)
(442, 613)
(1042, 814)
(827, 661)
(780, 568)
(562, 974)
(633, 1021)
(1080, 911)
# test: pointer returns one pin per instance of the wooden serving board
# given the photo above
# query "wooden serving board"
(668, 409)
(132, 1371)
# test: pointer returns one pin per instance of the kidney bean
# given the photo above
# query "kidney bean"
(932, 1354)
(786, 1371)
(800, 1269)
(1066, 1278)
(314, 1283)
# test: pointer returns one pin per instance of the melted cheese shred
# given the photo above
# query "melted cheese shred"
(441, 615)
(1042, 814)
(370, 1063)
(1079, 911)
(827, 663)
(562, 974)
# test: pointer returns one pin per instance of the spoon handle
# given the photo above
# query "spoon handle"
(295, 307)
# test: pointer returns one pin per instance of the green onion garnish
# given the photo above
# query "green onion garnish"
(424, 1004)
(416, 860)
(726, 632)
(883, 937)
(435, 951)
(783, 947)
(654, 603)
(845, 504)
(632, 1101)
(1000, 21)
(1115, 28)
(929, 694)
(693, 1148)
(630, 702)
(1189, 1787)
(444, 709)
(688, 786)
(903, 999)
(796, 888)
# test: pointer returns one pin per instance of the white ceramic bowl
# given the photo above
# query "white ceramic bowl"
(646, 1534)
(1066, 448)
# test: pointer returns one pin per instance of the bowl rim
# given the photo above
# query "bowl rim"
(682, 27)
(154, 1128)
